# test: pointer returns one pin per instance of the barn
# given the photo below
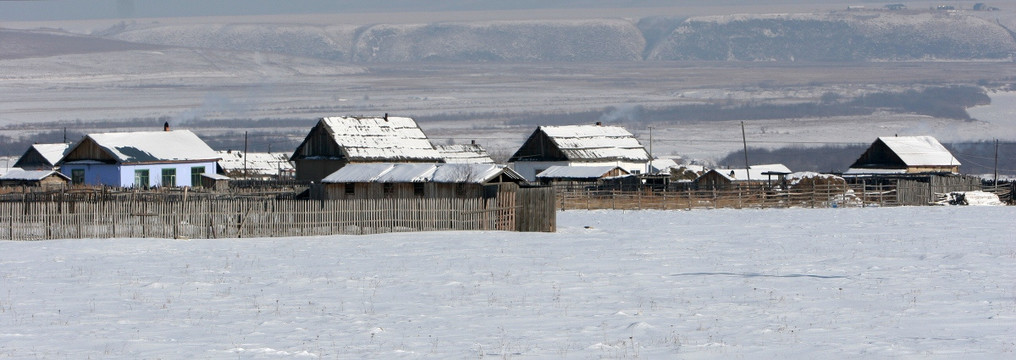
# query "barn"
(139, 159)
(42, 156)
(905, 155)
(337, 141)
(579, 145)
(417, 180)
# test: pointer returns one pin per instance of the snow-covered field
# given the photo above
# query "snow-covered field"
(909, 282)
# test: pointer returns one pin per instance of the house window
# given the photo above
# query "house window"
(350, 188)
(141, 178)
(388, 190)
(168, 177)
(195, 175)
(418, 189)
(78, 176)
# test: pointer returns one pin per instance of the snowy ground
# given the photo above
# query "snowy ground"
(909, 282)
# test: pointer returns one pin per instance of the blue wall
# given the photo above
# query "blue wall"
(123, 175)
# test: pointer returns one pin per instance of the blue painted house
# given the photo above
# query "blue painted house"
(139, 159)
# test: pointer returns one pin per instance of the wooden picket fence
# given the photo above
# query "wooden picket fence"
(829, 195)
(243, 218)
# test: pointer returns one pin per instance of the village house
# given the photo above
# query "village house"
(255, 165)
(416, 180)
(337, 141)
(755, 175)
(578, 177)
(139, 159)
(42, 156)
(46, 179)
(471, 153)
(579, 145)
(905, 155)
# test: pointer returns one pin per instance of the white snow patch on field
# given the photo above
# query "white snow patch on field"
(830, 283)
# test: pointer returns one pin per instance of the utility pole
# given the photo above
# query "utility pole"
(244, 154)
(996, 164)
(649, 166)
(744, 140)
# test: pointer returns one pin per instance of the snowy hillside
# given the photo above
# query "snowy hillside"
(836, 36)
(928, 282)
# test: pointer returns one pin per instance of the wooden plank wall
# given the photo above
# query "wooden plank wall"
(242, 218)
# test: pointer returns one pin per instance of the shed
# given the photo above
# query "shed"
(42, 156)
(579, 145)
(48, 179)
(337, 141)
(411, 180)
(216, 182)
(766, 174)
(571, 176)
(905, 155)
(139, 159)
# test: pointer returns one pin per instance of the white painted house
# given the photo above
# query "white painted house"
(579, 145)
(139, 159)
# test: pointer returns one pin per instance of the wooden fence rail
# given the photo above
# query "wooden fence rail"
(241, 218)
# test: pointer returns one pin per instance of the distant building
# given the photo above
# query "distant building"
(42, 156)
(768, 174)
(337, 141)
(905, 155)
(579, 145)
(255, 165)
(570, 177)
(139, 159)
(411, 180)
(464, 154)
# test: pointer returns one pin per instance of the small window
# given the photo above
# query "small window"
(168, 177)
(78, 176)
(388, 189)
(418, 189)
(350, 188)
(141, 178)
(195, 175)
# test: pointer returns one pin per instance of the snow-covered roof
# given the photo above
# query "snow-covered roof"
(919, 150)
(596, 142)
(419, 172)
(863, 171)
(755, 173)
(33, 175)
(216, 176)
(662, 165)
(464, 154)
(151, 146)
(256, 162)
(380, 138)
(575, 172)
(52, 152)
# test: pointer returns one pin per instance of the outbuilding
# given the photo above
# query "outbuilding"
(417, 180)
(577, 146)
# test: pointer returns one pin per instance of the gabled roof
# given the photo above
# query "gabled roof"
(52, 153)
(588, 143)
(576, 172)
(255, 162)
(464, 154)
(895, 152)
(662, 165)
(420, 172)
(919, 150)
(141, 147)
(31, 175)
(388, 138)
